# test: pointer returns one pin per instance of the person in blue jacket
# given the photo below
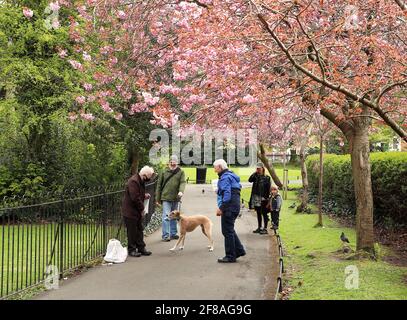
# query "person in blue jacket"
(228, 208)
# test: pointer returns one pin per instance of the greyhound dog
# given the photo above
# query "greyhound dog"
(188, 224)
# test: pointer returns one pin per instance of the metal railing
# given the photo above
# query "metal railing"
(280, 266)
(279, 288)
(59, 230)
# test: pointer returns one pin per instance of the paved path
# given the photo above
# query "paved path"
(189, 274)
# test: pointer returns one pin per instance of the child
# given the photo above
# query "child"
(275, 206)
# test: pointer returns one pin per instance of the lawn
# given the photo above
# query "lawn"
(314, 268)
(26, 251)
(243, 172)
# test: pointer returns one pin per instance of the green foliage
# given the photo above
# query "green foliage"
(315, 267)
(389, 184)
(40, 148)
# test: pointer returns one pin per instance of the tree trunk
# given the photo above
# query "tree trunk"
(359, 148)
(321, 179)
(304, 176)
(135, 159)
(269, 166)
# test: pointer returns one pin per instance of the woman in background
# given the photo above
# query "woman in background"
(259, 197)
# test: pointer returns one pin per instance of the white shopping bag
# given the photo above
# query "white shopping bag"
(146, 205)
(115, 252)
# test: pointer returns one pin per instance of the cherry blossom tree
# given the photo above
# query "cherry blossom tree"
(249, 64)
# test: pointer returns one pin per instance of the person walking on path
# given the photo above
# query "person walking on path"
(275, 206)
(259, 196)
(133, 211)
(228, 208)
(170, 189)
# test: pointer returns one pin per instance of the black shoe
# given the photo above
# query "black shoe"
(241, 255)
(167, 239)
(176, 237)
(257, 230)
(145, 252)
(263, 231)
(226, 260)
(135, 254)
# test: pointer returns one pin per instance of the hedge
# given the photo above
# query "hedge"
(389, 184)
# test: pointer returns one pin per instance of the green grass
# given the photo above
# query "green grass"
(243, 172)
(314, 269)
(25, 251)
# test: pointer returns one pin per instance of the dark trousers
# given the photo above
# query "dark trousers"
(262, 213)
(275, 217)
(233, 246)
(134, 234)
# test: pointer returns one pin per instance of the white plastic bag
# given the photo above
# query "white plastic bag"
(115, 252)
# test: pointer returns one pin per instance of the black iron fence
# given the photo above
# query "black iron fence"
(279, 287)
(280, 266)
(58, 233)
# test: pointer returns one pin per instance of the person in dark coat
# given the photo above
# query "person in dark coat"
(275, 206)
(228, 208)
(259, 196)
(133, 211)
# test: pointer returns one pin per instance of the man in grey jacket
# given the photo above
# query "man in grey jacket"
(170, 188)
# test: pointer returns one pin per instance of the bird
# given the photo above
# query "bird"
(292, 206)
(343, 238)
(203, 191)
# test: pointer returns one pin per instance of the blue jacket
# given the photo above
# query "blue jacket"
(227, 181)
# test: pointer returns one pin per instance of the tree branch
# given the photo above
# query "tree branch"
(373, 105)
(401, 4)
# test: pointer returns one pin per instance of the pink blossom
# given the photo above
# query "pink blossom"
(161, 62)
(54, 6)
(149, 99)
(75, 64)
(55, 24)
(86, 56)
(121, 14)
(87, 86)
(186, 107)
(72, 117)
(113, 60)
(87, 116)
(138, 107)
(179, 77)
(28, 13)
(80, 100)
(239, 113)
(62, 53)
(169, 89)
(196, 98)
(106, 49)
(106, 106)
(249, 99)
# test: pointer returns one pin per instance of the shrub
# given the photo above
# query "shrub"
(389, 184)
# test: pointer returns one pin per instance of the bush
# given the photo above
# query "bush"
(389, 184)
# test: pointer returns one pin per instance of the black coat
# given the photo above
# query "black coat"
(261, 186)
(133, 200)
